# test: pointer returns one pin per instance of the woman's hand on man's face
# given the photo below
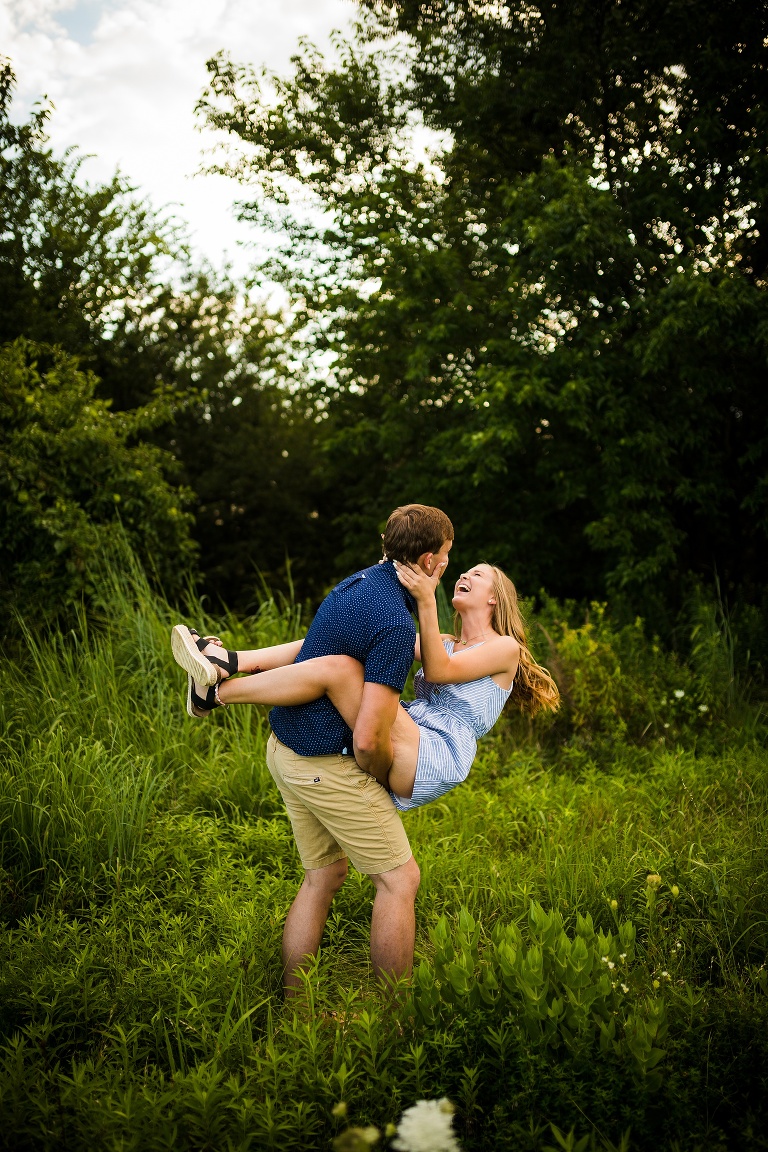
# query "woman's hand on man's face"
(420, 585)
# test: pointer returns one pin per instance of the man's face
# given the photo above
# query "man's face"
(431, 561)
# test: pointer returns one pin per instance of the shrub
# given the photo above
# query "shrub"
(75, 479)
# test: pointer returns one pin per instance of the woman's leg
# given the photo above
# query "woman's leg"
(276, 656)
(405, 745)
(341, 679)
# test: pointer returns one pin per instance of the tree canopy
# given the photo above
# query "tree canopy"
(525, 252)
(176, 367)
(555, 326)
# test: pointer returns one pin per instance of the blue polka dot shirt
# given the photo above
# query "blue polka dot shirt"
(368, 617)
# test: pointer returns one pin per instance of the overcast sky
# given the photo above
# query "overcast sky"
(124, 76)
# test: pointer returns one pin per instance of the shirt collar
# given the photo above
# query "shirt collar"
(388, 567)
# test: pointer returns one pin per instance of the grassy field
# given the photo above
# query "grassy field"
(592, 920)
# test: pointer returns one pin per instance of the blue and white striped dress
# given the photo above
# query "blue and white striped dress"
(451, 719)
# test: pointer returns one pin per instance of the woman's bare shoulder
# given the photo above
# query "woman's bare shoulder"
(508, 646)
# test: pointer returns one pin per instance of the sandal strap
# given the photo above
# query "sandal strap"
(202, 641)
(230, 665)
(208, 701)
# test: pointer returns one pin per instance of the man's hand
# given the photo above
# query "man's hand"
(372, 736)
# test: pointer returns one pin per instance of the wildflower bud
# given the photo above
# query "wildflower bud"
(653, 880)
(356, 1139)
(675, 891)
(656, 984)
(390, 1130)
(614, 905)
(446, 1105)
(339, 1110)
(350, 1140)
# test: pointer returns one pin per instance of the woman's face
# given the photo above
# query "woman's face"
(474, 589)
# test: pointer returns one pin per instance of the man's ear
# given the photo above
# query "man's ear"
(425, 562)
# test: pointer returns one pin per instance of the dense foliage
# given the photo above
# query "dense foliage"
(591, 923)
(76, 479)
(178, 349)
(556, 327)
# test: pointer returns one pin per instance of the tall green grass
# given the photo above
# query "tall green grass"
(147, 866)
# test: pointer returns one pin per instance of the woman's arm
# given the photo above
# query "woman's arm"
(433, 656)
(498, 655)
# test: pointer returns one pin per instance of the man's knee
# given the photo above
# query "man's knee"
(402, 882)
(327, 880)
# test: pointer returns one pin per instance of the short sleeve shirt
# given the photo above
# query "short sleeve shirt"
(367, 616)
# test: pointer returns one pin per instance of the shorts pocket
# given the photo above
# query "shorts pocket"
(302, 780)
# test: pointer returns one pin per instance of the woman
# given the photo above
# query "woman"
(464, 683)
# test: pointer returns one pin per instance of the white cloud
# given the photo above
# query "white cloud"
(124, 76)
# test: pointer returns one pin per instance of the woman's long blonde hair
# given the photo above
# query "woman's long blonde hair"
(534, 689)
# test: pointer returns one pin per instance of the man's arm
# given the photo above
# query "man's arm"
(372, 735)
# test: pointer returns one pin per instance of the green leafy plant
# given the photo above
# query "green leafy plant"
(565, 991)
(76, 481)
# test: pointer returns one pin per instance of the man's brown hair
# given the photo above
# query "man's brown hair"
(413, 530)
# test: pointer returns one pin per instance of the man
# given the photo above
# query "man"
(327, 774)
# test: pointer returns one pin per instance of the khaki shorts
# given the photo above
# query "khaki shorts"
(336, 810)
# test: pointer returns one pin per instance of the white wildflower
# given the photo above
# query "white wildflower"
(611, 964)
(604, 959)
(622, 956)
(427, 1127)
(678, 693)
(703, 708)
(625, 988)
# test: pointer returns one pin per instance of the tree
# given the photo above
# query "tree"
(75, 478)
(557, 328)
(96, 272)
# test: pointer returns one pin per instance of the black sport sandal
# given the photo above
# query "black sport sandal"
(202, 706)
(187, 646)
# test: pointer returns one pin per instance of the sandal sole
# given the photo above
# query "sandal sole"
(187, 655)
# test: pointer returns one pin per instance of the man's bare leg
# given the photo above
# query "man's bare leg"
(306, 919)
(393, 925)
